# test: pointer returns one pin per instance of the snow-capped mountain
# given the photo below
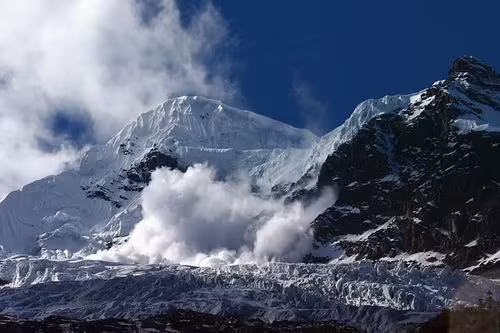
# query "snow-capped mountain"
(77, 212)
(418, 186)
(422, 183)
(101, 194)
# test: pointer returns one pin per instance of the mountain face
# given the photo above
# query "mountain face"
(422, 183)
(82, 208)
(417, 175)
(89, 207)
(418, 192)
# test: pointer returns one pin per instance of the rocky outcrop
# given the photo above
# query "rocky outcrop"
(422, 179)
(141, 171)
(134, 178)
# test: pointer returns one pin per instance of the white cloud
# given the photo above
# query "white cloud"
(190, 218)
(100, 57)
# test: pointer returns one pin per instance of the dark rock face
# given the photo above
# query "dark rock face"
(100, 192)
(411, 181)
(176, 321)
(139, 174)
(474, 69)
(141, 171)
(135, 178)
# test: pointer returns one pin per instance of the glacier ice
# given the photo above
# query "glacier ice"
(362, 293)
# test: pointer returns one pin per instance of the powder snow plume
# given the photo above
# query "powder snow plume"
(191, 218)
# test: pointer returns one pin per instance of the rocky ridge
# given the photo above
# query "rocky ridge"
(422, 183)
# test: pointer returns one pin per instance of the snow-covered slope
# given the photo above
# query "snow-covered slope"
(294, 167)
(360, 116)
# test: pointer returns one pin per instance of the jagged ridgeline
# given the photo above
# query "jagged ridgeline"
(418, 203)
(417, 175)
(423, 182)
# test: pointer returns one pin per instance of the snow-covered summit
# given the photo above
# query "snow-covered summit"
(474, 69)
(195, 129)
(475, 87)
(101, 194)
(201, 122)
(472, 89)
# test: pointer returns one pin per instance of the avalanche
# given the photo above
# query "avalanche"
(76, 213)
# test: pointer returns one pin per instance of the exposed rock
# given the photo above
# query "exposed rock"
(141, 171)
(412, 181)
(133, 179)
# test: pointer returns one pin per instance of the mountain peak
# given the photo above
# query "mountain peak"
(472, 68)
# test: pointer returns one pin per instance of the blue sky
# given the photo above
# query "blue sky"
(309, 64)
(339, 53)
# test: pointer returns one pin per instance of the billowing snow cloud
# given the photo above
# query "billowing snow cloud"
(97, 57)
(191, 218)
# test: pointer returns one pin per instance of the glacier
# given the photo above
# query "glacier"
(373, 296)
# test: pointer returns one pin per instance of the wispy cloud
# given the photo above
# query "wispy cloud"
(100, 57)
(314, 113)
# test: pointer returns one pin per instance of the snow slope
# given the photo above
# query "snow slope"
(289, 166)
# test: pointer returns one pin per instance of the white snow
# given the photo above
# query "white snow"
(54, 218)
(428, 258)
(419, 107)
(331, 251)
(391, 178)
(472, 243)
(54, 213)
(360, 116)
(273, 291)
(477, 116)
(364, 236)
(467, 125)
(346, 210)
(487, 260)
